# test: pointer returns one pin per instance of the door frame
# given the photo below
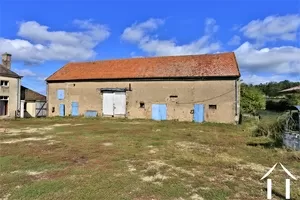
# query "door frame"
(113, 109)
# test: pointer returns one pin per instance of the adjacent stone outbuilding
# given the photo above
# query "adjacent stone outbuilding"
(185, 88)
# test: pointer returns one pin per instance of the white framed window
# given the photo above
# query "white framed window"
(5, 98)
(4, 83)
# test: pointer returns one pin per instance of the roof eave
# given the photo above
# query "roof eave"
(147, 78)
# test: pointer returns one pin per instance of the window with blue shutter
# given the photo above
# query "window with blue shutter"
(60, 94)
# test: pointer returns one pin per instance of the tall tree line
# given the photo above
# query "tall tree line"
(253, 97)
(271, 89)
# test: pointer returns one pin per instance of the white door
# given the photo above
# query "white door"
(119, 103)
(108, 103)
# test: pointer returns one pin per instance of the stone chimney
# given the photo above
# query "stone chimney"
(6, 60)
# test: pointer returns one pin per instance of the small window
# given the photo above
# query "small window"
(60, 94)
(4, 83)
(142, 104)
(173, 98)
(212, 107)
(3, 97)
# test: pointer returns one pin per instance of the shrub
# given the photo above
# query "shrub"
(272, 129)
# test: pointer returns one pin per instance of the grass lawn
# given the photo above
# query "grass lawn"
(78, 158)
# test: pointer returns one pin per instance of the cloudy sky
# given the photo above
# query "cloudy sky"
(42, 37)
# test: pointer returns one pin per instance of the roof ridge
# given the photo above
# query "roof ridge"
(152, 57)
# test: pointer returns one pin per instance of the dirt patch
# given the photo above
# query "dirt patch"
(59, 125)
(12, 134)
(13, 131)
(252, 166)
(64, 132)
(107, 144)
(228, 158)
(158, 171)
(131, 168)
(28, 172)
(158, 164)
(5, 197)
(153, 151)
(185, 145)
(80, 160)
(41, 130)
(156, 177)
(26, 139)
(255, 167)
(196, 197)
(52, 142)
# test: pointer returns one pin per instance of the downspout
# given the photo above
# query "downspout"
(47, 99)
(18, 93)
(236, 100)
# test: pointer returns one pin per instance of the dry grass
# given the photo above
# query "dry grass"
(77, 158)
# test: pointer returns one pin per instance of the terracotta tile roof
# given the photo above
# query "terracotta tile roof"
(214, 65)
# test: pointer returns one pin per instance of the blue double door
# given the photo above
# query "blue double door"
(159, 111)
(74, 109)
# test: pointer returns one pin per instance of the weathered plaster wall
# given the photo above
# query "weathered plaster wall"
(221, 93)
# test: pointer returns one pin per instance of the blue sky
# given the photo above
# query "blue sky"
(44, 35)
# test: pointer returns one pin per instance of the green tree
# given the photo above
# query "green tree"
(293, 99)
(252, 99)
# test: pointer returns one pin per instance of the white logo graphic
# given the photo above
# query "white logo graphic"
(287, 182)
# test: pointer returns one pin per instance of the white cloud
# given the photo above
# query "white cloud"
(256, 79)
(24, 72)
(273, 28)
(211, 26)
(40, 44)
(277, 60)
(235, 40)
(138, 31)
(140, 34)
(41, 78)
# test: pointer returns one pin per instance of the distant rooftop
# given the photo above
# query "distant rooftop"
(293, 89)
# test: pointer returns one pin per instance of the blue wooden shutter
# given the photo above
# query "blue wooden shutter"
(62, 110)
(75, 109)
(60, 94)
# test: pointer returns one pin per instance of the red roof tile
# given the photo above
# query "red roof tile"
(214, 65)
